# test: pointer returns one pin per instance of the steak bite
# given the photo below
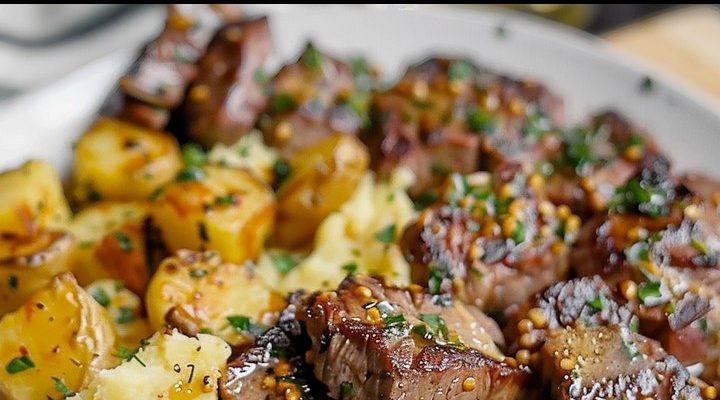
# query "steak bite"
(598, 158)
(314, 97)
(373, 341)
(581, 302)
(157, 81)
(228, 94)
(613, 363)
(660, 245)
(492, 240)
(444, 113)
(274, 368)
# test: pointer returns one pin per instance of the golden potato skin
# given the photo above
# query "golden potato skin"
(112, 244)
(196, 292)
(31, 198)
(66, 335)
(229, 210)
(169, 359)
(322, 178)
(27, 264)
(115, 160)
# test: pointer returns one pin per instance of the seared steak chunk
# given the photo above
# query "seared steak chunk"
(598, 158)
(660, 244)
(274, 369)
(228, 94)
(587, 302)
(311, 99)
(372, 341)
(613, 363)
(491, 240)
(446, 115)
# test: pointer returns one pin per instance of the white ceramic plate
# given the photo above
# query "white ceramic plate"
(588, 75)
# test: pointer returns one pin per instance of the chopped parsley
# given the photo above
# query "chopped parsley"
(392, 320)
(198, 273)
(101, 296)
(460, 70)
(229, 200)
(648, 290)
(350, 268)
(124, 241)
(282, 102)
(425, 200)
(596, 303)
(648, 195)
(346, 390)
(125, 315)
(440, 169)
(19, 364)
(435, 280)
(193, 155)
(284, 262)
(312, 58)
(386, 235)
(62, 388)
(241, 323)
(479, 120)
(261, 77)
(191, 173)
(281, 169)
(699, 246)
(436, 323)
(129, 354)
(518, 234)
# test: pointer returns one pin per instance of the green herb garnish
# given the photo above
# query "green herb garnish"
(596, 303)
(284, 262)
(126, 315)
(191, 173)
(124, 241)
(198, 273)
(229, 200)
(346, 390)
(101, 296)
(479, 120)
(460, 70)
(282, 102)
(386, 235)
(193, 155)
(62, 388)
(648, 290)
(312, 57)
(436, 323)
(350, 268)
(19, 364)
(241, 323)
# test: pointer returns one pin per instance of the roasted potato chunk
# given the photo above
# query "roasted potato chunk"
(27, 264)
(197, 292)
(60, 335)
(215, 208)
(112, 244)
(169, 366)
(116, 160)
(322, 178)
(124, 308)
(31, 199)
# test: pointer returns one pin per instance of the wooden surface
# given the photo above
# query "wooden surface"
(683, 42)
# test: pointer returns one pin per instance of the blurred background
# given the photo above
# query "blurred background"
(40, 43)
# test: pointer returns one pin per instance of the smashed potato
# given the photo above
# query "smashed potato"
(31, 199)
(360, 238)
(27, 264)
(61, 336)
(216, 208)
(248, 152)
(169, 365)
(197, 292)
(124, 308)
(112, 244)
(322, 178)
(115, 160)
